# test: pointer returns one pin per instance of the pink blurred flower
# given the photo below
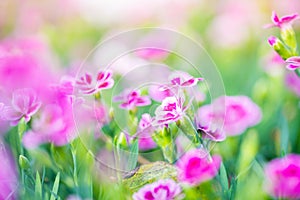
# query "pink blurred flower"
(144, 133)
(273, 40)
(283, 177)
(196, 167)
(23, 64)
(52, 126)
(281, 23)
(231, 114)
(170, 110)
(8, 175)
(161, 190)
(292, 81)
(24, 104)
(88, 85)
(159, 92)
(212, 133)
(132, 99)
(293, 62)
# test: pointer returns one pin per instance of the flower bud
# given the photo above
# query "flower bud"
(279, 47)
(24, 162)
(289, 38)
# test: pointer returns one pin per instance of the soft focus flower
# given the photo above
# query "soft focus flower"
(160, 92)
(144, 133)
(24, 104)
(281, 23)
(212, 133)
(232, 114)
(292, 81)
(132, 99)
(170, 110)
(293, 62)
(196, 167)
(273, 40)
(283, 177)
(166, 189)
(52, 126)
(8, 175)
(23, 64)
(88, 85)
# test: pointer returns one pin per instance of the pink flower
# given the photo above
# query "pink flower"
(52, 126)
(283, 177)
(212, 133)
(87, 85)
(24, 104)
(292, 81)
(273, 40)
(23, 64)
(196, 167)
(171, 110)
(161, 190)
(144, 134)
(132, 99)
(286, 20)
(8, 175)
(160, 92)
(293, 62)
(231, 114)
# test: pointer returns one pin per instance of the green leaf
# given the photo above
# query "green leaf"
(21, 127)
(284, 135)
(223, 177)
(55, 187)
(38, 186)
(133, 156)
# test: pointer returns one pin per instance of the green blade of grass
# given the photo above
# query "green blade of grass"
(55, 187)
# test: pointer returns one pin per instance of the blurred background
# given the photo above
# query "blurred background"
(231, 31)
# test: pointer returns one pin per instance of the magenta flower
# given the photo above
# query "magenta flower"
(293, 62)
(160, 92)
(273, 40)
(161, 190)
(292, 81)
(212, 133)
(283, 177)
(286, 20)
(88, 85)
(52, 126)
(132, 99)
(196, 167)
(1, 111)
(231, 114)
(171, 110)
(144, 133)
(8, 175)
(24, 104)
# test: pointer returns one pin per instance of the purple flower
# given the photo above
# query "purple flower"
(160, 92)
(196, 167)
(161, 190)
(8, 175)
(144, 134)
(24, 104)
(171, 110)
(292, 81)
(231, 114)
(283, 177)
(286, 20)
(293, 62)
(132, 99)
(212, 133)
(88, 85)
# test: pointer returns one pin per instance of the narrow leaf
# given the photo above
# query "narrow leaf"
(133, 156)
(38, 186)
(284, 135)
(55, 187)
